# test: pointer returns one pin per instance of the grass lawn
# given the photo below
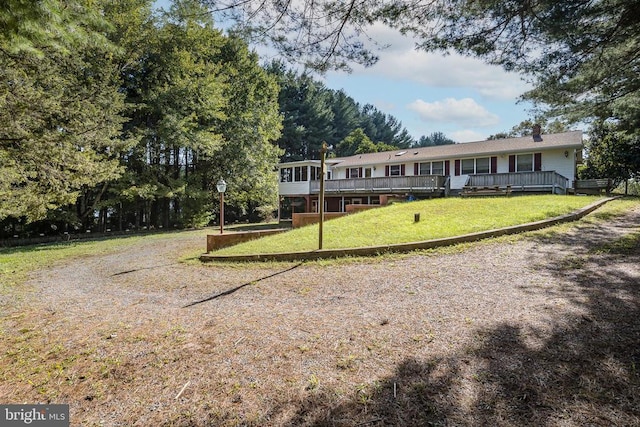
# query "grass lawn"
(395, 224)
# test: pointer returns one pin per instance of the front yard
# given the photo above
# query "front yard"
(539, 329)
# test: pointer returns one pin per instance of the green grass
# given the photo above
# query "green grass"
(395, 224)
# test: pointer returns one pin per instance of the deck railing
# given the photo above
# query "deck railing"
(381, 184)
(522, 181)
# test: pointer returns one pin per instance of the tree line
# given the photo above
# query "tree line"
(116, 117)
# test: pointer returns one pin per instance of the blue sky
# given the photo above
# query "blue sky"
(462, 97)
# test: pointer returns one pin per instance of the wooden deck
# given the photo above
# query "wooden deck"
(594, 186)
(387, 184)
(520, 182)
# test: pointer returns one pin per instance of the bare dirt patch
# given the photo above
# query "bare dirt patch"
(543, 330)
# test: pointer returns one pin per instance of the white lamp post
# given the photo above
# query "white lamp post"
(221, 186)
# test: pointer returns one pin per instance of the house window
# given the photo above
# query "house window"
(524, 163)
(425, 169)
(315, 173)
(328, 175)
(367, 172)
(468, 166)
(395, 170)
(300, 173)
(286, 175)
(482, 165)
(354, 172)
(437, 168)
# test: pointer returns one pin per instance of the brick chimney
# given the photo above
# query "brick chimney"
(537, 133)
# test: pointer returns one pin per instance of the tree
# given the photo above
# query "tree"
(384, 128)
(250, 131)
(305, 105)
(611, 153)
(29, 26)
(319, 34)
(436, 138)
(525, 128)
(313, 114)
(60, 108)
(357, 142)
(581, 54)
(346, 116)
(203, 110)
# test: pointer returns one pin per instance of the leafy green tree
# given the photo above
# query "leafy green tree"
(357, 142)
(30, 26)
(203, 109)
(60, 108)
(611, 153)
(250, 130)
(525, 128)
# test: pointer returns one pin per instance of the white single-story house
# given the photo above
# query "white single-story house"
(538, 163)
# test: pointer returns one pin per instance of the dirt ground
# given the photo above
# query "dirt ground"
(541, 330)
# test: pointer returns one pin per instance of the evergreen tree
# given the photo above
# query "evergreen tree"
(581, 56)
(250, 130)
(305, 105)
(60, 107)
(346, 116)
(384, 128)
(436, 138)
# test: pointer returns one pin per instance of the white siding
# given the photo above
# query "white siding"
(293, 188)
(556, 161)
(553, 159)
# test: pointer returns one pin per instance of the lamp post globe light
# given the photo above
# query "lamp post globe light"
(221, 186)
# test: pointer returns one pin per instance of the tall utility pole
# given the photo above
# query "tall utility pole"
(323, 153)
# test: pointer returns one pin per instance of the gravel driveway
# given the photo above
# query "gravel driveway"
(535, 330)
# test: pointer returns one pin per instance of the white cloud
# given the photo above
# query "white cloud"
(466, 136)
(401, 61)
(385, 106)
(462, 112)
